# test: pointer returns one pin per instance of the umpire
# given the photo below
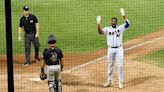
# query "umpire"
(30, 25)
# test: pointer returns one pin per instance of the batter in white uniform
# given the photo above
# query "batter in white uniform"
(114, 36)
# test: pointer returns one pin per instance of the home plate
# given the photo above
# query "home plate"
(35, 79)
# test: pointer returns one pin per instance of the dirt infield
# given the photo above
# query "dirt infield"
(138, 76)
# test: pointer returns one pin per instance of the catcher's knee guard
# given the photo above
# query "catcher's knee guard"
(52, 86)
(59, 86)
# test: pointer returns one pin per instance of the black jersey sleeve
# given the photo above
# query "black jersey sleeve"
(20, 23)
(60, 53)
(45, 53)
(35, 19)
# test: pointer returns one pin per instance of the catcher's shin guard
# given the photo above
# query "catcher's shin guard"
(59, 86)
(52, 86)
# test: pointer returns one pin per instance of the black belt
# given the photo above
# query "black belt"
(52, 64)
(116, 47)
(30, 32)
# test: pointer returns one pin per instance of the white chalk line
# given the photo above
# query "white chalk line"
(103, 57)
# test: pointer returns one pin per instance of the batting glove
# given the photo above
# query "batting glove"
(122, 12)
(19, 39)
(98, 19)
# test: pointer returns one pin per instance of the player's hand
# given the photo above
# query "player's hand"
(61, 68)
(43, 76)
(36, 35)
(122, 12)
(98, 19)
(19, 39)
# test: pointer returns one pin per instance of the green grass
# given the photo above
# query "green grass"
(2, 28)
(155, 58)
(73, 21)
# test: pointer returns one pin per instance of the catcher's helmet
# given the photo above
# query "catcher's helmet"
(51, 39)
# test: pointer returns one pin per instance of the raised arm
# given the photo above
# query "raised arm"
(98, 19)
(127, 23)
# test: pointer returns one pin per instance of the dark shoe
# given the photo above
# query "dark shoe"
(37, 60)
(26, 64)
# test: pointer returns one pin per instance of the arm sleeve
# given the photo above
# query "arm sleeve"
(35, 20)
(20, 23)
(60, 54)
(124, 26)
(44, 54)
(105, 30)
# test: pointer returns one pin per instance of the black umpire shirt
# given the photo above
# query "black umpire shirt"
(28, 23)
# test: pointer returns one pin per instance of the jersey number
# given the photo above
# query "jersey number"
(118, 35)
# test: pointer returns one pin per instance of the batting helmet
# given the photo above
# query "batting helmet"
(51, 39)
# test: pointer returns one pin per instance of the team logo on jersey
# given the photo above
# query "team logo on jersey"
(118, 35)
(111, 33)
(53, 56)
(118, 31)
(31, 21)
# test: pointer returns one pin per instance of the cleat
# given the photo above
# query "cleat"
(37, 60)
(108, 84)
(120, 85)
(26, 64)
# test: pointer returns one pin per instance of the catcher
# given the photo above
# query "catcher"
(52, 57)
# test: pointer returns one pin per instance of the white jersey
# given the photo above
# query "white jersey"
(114, 35)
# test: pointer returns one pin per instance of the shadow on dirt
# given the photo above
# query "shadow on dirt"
(71, 80)
(139, 80)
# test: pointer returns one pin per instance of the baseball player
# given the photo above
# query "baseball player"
(30, 25)
(114, 36)
(52, 57)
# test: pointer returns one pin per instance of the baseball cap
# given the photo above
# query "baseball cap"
(51, 39)
(26, 8)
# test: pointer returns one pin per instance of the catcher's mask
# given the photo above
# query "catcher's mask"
(51, 39)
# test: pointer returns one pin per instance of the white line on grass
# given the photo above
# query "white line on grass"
(101, 58)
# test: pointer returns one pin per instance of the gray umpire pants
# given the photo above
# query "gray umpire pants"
(28, 38)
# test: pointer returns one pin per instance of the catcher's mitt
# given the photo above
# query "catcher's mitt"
(43, 76)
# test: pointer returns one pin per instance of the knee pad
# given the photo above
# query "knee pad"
(52, 86)
(59, 83)
(59, 86)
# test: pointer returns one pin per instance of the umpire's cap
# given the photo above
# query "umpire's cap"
(51, 39)
(26, 8)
